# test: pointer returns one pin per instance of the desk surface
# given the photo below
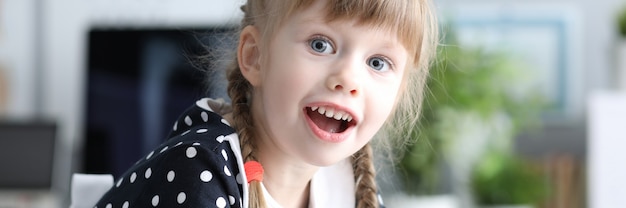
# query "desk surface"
(28, 198)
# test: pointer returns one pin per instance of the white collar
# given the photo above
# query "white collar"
(331, 186)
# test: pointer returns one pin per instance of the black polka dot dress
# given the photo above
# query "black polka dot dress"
(195, 167)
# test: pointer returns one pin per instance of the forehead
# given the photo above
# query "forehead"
(318, 13)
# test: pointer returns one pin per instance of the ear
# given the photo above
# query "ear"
(248, 56)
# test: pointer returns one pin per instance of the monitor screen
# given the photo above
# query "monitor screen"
(26, 155)
(138, 82)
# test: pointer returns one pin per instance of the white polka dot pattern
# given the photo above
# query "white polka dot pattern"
(226, 171)
(224, 155)
(220, 202)
(170, 176)
(239, 178)
(188, 121)
(231, 199)
(119, 182)
(148, 173)
(181, 197)
(163, 150)
(155, 200)
(206, 176)
(191, 152)
(224, 121)
(205, 116)
(133, 177)
(149, 155)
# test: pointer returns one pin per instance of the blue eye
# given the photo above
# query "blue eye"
(378, 63)
(321, 45)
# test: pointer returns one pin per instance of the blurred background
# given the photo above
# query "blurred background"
(526, 103)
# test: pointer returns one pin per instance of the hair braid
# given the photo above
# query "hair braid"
(238, 89)
(365, 178)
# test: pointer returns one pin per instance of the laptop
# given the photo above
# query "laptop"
(26, 163)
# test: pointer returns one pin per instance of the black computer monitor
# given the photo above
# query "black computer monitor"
(138, 81)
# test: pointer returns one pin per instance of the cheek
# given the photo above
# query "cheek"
(381, 104)
(282, 80)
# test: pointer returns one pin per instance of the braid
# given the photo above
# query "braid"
(238, 89)
(365, 177)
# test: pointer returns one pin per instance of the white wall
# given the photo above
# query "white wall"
(606, 182)
(17, 18)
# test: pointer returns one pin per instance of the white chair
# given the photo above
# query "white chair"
(606, 150)
(88, 188)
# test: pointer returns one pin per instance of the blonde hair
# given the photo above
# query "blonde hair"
(416, 28)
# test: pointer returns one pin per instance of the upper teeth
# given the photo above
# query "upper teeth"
(332, 113)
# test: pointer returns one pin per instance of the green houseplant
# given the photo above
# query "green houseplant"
(465, 81)
(620, 49)
(502, 178)
(621, 22)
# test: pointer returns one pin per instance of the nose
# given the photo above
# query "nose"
(345, 78)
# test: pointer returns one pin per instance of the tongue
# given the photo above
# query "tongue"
(325, 123)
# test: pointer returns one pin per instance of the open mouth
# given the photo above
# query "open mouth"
(329, 119)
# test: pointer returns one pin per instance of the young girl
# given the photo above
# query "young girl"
(312, 84)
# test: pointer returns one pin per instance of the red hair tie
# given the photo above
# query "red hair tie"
(254, 171)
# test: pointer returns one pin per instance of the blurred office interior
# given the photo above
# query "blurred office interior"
(91, 83)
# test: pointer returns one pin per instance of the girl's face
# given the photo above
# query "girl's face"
(324, 89)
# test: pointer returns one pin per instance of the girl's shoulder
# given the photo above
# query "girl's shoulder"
(197, 166)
